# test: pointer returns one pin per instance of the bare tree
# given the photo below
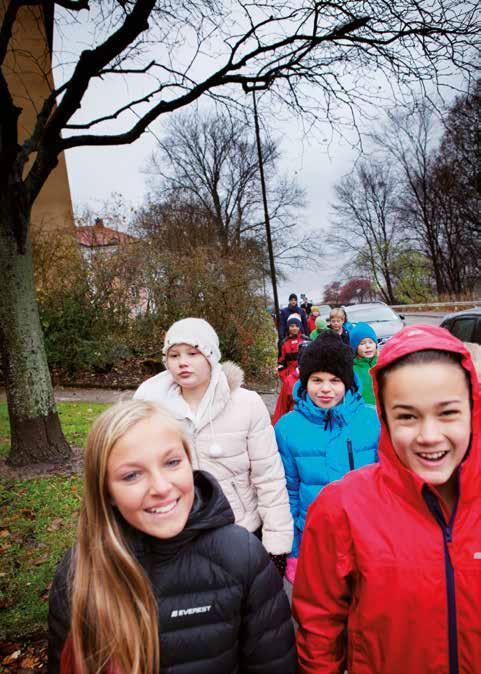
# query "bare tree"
(275, 45)
(366, 223)
(212, 163)
(439, 197)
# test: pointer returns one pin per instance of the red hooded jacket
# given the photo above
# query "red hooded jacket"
(378, 558)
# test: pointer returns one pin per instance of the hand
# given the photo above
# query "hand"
(280, 562)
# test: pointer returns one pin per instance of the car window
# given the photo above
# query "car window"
(463, 328)
(371, 314)
(477, 331)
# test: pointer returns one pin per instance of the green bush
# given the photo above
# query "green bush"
(77, 333)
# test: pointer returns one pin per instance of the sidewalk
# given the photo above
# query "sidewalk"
(101, 395)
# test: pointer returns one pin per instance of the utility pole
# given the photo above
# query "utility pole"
(266, 211)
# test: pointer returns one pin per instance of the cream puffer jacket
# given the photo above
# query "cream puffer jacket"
(232, 438)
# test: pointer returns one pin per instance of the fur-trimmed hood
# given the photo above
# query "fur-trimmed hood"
(234, 374)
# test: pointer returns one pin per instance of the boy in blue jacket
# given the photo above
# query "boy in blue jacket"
(329, 432)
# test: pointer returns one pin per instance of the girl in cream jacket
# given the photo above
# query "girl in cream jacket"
(229, 430)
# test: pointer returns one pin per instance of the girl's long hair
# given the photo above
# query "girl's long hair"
(114, 621)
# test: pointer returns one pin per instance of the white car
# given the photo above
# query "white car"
(383, 320)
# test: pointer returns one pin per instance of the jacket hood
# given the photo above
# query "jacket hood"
(210, 510)
(421, 338)
(336, 416)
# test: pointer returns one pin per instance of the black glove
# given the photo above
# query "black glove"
(280, 562)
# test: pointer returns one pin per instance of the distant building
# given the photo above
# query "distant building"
(99, 240)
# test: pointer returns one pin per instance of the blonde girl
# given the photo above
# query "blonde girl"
(161, 580)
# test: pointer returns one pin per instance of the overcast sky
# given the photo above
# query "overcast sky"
(96, 173)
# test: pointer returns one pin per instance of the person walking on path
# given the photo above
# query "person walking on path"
(292, 308)
(389, 575)
(228, 428)
(320, 326)
(330, 431)
(337, 323)
(290, 347)
(311, 319)
(161, 580)
(364, 344)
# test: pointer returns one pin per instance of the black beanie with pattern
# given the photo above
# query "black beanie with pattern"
(328, 353)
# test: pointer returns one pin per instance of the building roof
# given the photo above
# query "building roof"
(99, 236)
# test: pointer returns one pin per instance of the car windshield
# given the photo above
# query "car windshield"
(371, 314)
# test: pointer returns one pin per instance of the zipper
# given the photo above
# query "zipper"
(240, 501)
(350, 455)
(447, 529)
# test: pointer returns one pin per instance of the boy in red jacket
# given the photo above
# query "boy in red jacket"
(290, 347)
(391, 554)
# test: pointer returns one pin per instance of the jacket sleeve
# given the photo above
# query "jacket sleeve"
(267, 634)
(321, 599)
(267, 475)
(292, 480)
(58, 614)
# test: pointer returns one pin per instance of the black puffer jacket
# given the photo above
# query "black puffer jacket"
(222, 609)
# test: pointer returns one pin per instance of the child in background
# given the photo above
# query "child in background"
(311, 320)
(161, 580)
(290, 347)
(285, 401)
(330, 431)
(364, 344)
(321, 326)
(389, 576)
(337, 319)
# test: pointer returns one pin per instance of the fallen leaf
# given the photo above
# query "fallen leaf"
(9, 659)
(4, 533)
(55, 524)
(40, 560)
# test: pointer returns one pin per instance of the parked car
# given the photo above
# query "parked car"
(465, 325)
(384, 321)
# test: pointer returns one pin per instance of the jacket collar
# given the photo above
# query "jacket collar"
(402, 480)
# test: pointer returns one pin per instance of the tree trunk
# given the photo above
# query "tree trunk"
(36, 434)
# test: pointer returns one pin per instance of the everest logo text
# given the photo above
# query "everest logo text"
(177, 613)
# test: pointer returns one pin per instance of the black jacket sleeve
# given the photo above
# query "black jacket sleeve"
(59, 613)
(267, 639)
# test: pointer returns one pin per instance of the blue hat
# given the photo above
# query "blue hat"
(360, 332)
(294, 318)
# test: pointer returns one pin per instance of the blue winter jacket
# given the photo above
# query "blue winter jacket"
(319, 446)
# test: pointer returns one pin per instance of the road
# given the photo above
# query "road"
(431, 318)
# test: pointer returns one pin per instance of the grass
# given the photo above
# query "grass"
(38, 520)
(76, 419)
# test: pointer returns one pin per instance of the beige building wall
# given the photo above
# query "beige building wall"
(28, 72)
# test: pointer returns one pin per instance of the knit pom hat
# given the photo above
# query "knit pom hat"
(320, 324)
(328, 353)
(358, 333)
(196, 332)
(296, 319)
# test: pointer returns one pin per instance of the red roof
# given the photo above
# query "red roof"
(98, 235)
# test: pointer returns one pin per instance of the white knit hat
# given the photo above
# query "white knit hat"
(197, 333)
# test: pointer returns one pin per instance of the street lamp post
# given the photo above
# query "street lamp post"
(266, 211)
